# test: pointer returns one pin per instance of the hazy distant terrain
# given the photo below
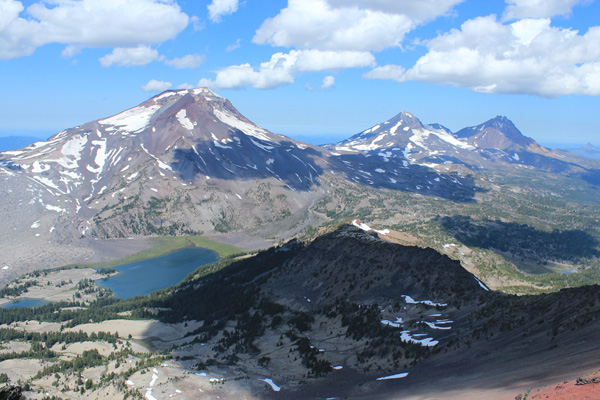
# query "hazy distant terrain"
(16, 142)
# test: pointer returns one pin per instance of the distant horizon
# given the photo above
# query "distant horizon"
(314, 139)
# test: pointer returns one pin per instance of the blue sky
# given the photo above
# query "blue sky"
(309, 69)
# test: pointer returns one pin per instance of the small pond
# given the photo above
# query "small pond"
(146, 276)
(21, 303)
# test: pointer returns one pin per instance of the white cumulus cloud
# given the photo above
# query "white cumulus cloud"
(328, 82)
(526, 57)
(539, 8)
(359, 25)
(190, 61)
(282, 68)
(156, 86)
(86, 23)
(219, 8)
(234, 46)
(130, 56)
(418, 10)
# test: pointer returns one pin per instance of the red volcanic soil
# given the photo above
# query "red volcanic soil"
(585, 388)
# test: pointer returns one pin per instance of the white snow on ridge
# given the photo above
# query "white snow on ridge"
(100, 157)
(158, 161)
(37, 167)
(72, 151)
(395, 128)
(420, 135)
(395, 324)
(271, 383)
(261, 146)
(183, 120)
(362, 225)
(370, 146)
(149, 395)
(47, 182)
(55, 208)
(427, 342)
(482, 285)
(132, 120)
(433, 325)
(410, 300)
(367, 228)
(246, 127)
(397, 376)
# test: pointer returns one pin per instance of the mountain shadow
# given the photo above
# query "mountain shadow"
(522, 241)
(250, 158)
(378, 173)
(592, 176)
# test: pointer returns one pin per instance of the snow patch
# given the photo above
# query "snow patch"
(132, 120)
(246, 127)
(37, 167)
(271, 383)
(482, 285)
(72, 151)
(158, 161)
(183, 120)
(433, 325)
(410, 300)
(55, 208)
(406, 337)
(262, 146)
(397, 376)
(395, 324)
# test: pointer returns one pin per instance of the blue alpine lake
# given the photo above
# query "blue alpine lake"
(146, 276)
(21, 303)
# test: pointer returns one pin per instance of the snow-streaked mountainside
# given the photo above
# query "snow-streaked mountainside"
(495, 142)
(405, 138)
(187, 162)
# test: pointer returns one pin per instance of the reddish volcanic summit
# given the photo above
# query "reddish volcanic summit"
(583, 388)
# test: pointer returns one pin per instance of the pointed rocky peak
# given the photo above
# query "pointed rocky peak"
(499, 132)
(590, 147)
(407, 119)
(402, 122)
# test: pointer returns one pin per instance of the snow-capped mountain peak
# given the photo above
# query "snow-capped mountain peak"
(190, 135)
(406, 138)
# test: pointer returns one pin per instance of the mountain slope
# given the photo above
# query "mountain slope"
(405, 138)
(402, 153)
(187, 162)
(500, 140)
(374, 309)
(178, 138)
(492, 144)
